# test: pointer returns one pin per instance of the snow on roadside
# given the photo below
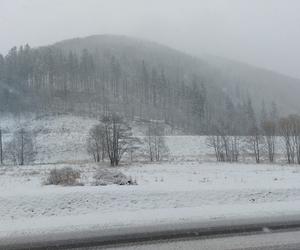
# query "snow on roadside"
(168, 192)
(146, 217)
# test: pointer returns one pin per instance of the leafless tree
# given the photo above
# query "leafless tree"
(225, 141)
(255, 142)
(154, 141)
(21, 147)
(96, 142)
(118, 137)
(286, 134)
(1, 148)
(215, 142)
(234, 148)
(296, 136)
(269, 132)
(290, 133)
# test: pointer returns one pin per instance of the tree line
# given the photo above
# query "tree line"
(112, 138)
(50, 79)
(266, 137)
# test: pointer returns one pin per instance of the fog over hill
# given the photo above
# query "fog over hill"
(138, 78)
(262, 84)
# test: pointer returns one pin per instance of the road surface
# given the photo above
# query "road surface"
(265, 241)
(261, 233)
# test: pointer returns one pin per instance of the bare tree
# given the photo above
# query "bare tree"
(234, 147)
(225, 141)
(21, 147)
(269, 131)
(255, 142)
(296, 136)
(290, 133)
(148, 141)
(118, 137)
(154, 141)
(226, 147)
(96, 142)
(295, 121)
(1, 148)
(215, 142)
(286, 134)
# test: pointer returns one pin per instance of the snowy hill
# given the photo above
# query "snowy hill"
(62, 138)
(139, 78)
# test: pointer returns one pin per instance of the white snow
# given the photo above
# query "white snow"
(189, 187)
(62, 139)
(168, 192)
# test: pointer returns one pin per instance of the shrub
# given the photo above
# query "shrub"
(65, 177)
(105, 177)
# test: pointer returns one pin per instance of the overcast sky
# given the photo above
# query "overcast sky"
(260, 32)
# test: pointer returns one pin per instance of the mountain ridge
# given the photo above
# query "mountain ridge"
(220, 64)
(139, 77)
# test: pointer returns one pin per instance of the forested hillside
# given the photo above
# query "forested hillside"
(104, 73)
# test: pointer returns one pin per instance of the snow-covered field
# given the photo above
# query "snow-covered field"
(62, 139)
(168, 192)
(189, 187)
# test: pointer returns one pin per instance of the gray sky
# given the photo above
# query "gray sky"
(260, 32)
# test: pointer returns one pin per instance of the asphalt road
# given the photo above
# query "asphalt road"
(263, 241)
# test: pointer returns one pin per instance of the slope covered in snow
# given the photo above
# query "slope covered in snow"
(62, 138)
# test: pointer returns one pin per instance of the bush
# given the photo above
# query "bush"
(105, 177)
(65, 177)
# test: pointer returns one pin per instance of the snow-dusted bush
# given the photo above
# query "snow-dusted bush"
(66, 176)
(111, 176)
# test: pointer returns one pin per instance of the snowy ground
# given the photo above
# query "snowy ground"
(189, 187)
(62, 139)
(168, 192)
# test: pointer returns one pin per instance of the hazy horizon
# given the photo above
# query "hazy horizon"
(260, 33)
